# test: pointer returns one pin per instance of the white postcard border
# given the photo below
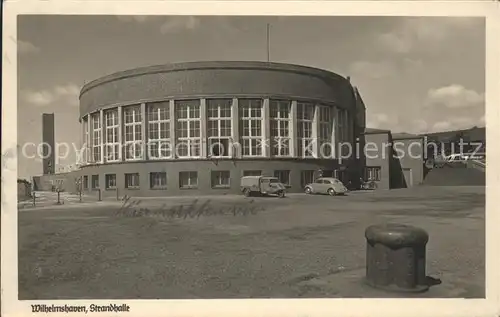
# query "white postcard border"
(11, 306)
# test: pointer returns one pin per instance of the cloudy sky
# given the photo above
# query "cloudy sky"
(415, 74)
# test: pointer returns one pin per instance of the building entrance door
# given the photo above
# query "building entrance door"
(340, 175)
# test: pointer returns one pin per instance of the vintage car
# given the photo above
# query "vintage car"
(326, 185)
(262, 185)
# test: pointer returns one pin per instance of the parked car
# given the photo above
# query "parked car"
(368, 185)
(262, 185)
(326, 185)
(455, 158)
(474, 156)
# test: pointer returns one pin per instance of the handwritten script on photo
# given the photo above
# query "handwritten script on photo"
(194, 209)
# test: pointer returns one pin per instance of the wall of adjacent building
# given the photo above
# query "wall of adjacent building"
(407, 166)
(378, 155)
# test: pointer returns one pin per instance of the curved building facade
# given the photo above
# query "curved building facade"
(197, 128)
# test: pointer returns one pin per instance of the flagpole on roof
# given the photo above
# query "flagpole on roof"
(268, 42)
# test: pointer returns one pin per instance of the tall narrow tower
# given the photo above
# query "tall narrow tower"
(48, 139)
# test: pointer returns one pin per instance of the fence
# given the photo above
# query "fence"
(49, 198)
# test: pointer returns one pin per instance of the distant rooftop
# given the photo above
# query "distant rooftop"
(474, 133)
(403, 135)
(376, 131)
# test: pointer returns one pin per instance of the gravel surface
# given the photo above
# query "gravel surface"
(299, 246)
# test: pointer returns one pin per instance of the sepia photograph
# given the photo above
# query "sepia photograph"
(191, 157)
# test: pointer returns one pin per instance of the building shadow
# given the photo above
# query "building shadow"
(397, 178)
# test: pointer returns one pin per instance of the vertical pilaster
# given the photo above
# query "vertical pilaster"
(345, 131)
(144, 138)
(315, 131)
(82, 131)
(203, 127)
(120, 133)
(88, 150)
(235, 146)
(340, 134)
(103, 130)
(82, 140)
(104, 137)
(293, 129)
(350, 127)
(334, 133)
(171, 109)
(266, 135)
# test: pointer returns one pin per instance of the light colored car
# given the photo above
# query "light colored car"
(326, 185)
(455, 158)
(474, 156)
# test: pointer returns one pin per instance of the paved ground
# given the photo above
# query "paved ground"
(457, 174)
(299, 246)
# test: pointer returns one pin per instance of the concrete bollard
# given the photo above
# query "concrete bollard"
(395, 258)
(58, 197)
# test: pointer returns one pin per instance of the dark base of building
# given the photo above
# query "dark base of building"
(299, 173)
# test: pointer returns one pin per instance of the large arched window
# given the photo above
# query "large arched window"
(96, 137)
(251, 117)
(219, 127)
(159, 145)
(305, 119)
(343, 131)
(325, 131)
(86, 140)
(280, 117)
(188, 123)
(133, 132)
(112, 144)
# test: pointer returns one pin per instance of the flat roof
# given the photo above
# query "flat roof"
(403, 136)
(376, 131)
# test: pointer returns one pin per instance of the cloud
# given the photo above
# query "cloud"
(398, 42)
(441, 126)
(381, 120)
(179, 23)
(482, 120)
(413, 64)
(65, 93)
(455, 96)
(25, 47)
(423, 32)
(457, 123)
(419, 126)
(374, 70)
(386, 68)
(381, 117)
(68, 90)
(39, 98)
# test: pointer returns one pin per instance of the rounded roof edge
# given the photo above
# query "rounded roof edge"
(210, 65)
